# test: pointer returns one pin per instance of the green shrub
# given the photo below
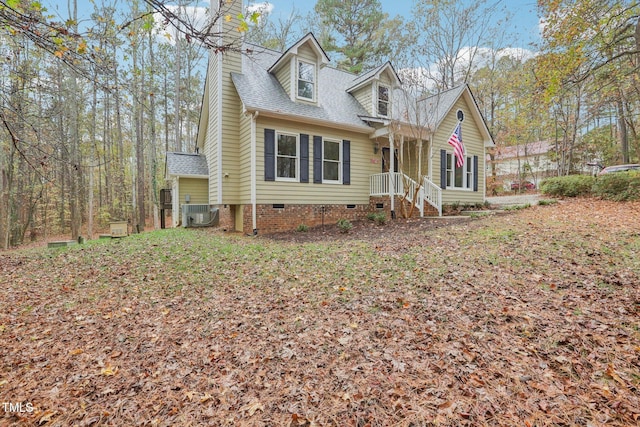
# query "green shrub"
(618, 186)
(568, 186)
(380, 218)
(344, 225)
(547, 202)
(302, 228)
(517, 207)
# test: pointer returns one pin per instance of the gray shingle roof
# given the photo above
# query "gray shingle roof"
(426, 111)
(187, 164)
(440, 104)
(371, 73)
(260, 90)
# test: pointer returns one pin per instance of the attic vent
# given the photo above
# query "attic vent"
(199, 216)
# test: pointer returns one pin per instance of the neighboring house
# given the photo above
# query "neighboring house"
(290, 140)
(531, 161)
(189, 177)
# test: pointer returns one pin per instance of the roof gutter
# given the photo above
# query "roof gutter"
(308, 120)
(177, 175)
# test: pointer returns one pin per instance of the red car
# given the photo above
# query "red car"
(527, 185)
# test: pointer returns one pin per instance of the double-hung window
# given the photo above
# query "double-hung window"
(383, 100)
(331, 161)
(306, 80)
(287, 157)
(459, 177)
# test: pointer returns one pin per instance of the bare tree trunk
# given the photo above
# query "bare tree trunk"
(152, 135)
(177, 100)
(138, 118)
(622, 126)
(75, 200)
(119, 184)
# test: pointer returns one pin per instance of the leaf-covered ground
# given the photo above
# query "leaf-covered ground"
(530, 318)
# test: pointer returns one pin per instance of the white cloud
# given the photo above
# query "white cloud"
(265, 8)
(196, 16)
(425, 77)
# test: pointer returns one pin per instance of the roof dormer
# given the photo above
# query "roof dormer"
(373, 90)
(297, 69)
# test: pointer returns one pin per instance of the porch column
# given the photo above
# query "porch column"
(401, 164)
(419, 161)
(430, 165)
(392, 178)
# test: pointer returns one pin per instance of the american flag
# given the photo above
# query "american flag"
(455, 140)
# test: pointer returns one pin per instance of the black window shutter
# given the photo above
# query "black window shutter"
(443, 169)
(475, 173)
(346, 162)
(269, 155)
(304, 158)
(317, 159)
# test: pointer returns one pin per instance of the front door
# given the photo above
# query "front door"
(386, 159)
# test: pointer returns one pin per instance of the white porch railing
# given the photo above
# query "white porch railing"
(432, 194)
(379, 185)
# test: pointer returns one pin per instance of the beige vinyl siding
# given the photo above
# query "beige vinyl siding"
(364, 96)
(231, 108)
(283, 75)
(196, 188)
(225, 124)
(211, 139)
(364, 163)
(244, 168)
(474, 146)
(204, 118)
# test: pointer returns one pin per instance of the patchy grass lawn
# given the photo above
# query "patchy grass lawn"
(530, 318)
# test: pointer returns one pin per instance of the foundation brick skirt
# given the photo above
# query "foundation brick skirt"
(273, 218)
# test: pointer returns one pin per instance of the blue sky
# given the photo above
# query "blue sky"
(522, 33)
(524, 24)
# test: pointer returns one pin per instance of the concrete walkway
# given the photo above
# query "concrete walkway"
(512, 200)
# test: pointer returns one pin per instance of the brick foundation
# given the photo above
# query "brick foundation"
(273, 218)
(227, 217)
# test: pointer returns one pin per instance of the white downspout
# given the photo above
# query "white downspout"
(392, 177)
(254, 218)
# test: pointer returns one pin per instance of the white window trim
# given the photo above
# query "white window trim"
(377, 99)
(297, 157)
(451, 173)
(333, 181)
(314, 82)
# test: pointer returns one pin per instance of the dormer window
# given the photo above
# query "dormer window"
(383, 100)
(306, 80)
